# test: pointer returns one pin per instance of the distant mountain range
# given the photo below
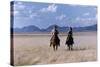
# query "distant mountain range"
(33, 28)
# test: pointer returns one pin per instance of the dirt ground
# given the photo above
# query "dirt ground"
(34, 49)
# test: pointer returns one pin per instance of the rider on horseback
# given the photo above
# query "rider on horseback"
(70, 40)
(55, 34)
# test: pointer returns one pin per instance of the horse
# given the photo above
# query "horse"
(55, 41)
(70, 40)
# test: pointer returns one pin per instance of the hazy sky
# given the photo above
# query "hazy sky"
(43, 15)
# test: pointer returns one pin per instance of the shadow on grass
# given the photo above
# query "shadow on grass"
(76, 49)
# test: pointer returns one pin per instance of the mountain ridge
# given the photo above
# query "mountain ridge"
(32, 28)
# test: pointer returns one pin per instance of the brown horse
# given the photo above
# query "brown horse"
(55, 41)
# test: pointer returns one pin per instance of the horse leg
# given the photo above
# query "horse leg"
(54, 47)
(50, 44)
(51, 41)
(71, 47)
(58, 42)
(68, 47)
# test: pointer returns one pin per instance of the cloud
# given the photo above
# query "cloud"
(19, 6)
(50, 8)
(16, 12)
(86, 14)
(85, 21)
(30, 11)
(95, 8)
(77, 19)
(33, 15)
(61, 17)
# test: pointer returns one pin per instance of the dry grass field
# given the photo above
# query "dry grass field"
(34, 49)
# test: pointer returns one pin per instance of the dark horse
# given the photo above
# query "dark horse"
(69, 40)
(55, 41)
